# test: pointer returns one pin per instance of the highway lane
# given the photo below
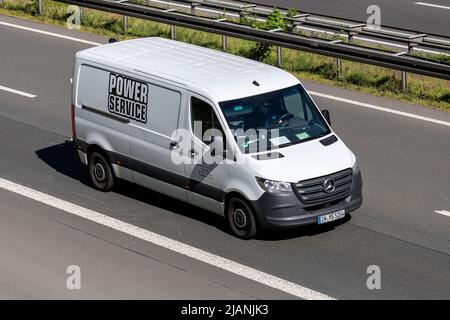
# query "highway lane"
(331, 260)
(396, 228)
(37, 249)
(399, 13)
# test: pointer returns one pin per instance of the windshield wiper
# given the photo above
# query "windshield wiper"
(291, 143)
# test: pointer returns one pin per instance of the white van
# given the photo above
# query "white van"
(230, 135)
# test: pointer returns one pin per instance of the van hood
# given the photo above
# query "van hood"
(303, 161)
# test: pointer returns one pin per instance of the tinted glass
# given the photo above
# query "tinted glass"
(275, 119)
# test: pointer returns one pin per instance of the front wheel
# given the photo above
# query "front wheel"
(241, 219)
(100, 172)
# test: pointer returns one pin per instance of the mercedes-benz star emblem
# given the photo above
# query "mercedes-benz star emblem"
(329, 186)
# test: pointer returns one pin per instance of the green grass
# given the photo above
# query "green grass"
(421, 90)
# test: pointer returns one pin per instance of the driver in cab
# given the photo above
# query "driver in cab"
(271, 114)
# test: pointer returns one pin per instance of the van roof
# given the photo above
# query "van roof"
(220, 76)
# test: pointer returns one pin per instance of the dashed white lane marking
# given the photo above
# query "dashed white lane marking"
(20, 93)
(371, 106)
(314, 93)
(173, 245)
(49, 33)
(443, 212)
(432, 5)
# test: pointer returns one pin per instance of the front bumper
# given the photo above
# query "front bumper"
(285, 210)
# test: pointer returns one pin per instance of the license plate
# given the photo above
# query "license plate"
(331, 217)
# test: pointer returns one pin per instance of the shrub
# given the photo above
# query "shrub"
(274, 21)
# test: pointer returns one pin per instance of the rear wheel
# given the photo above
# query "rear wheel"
(241, 219)
(100, 172)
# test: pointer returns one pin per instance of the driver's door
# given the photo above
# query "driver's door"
(207, 179)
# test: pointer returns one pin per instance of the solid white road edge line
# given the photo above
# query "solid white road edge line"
(432, 5)
(20, 93)
(173, 245)
(49, 33)
(371, 106)
(443, 212)
(410, 115)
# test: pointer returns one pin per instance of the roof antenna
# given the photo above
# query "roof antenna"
(112, 40)
(256, 83)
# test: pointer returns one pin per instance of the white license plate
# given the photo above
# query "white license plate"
(331, 217)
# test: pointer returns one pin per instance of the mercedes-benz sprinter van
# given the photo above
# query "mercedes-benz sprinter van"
(230, 135)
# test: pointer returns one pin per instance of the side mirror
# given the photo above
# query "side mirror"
(326, 115)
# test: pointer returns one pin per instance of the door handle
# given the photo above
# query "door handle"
(193, 153)
(173, 145)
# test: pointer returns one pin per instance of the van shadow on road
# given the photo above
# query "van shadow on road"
(61, 157)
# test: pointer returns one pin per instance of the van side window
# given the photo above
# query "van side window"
(164, 110)
(90, 78)
(203, 118)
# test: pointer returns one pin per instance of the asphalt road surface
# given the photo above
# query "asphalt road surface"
(428, 16)
(405, 165)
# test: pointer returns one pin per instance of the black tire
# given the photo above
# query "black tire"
(241, 219)
(100, 172)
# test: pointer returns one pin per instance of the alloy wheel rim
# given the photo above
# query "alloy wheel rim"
(99, 172)
(240, 218)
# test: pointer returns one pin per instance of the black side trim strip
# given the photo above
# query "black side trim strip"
(160, 174)
(106, 114)
(177, 180)
(119, 159)
(81, 145)
(114, 157)
(206, 190)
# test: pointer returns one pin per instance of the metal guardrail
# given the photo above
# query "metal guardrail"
(211, 22)
(303, 20)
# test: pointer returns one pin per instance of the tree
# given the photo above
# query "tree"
(274, 21)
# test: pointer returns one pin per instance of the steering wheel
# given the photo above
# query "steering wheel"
(285, 117)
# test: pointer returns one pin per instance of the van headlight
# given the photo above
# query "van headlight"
(274, 186)
(355, 167)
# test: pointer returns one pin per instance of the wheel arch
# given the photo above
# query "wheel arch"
(94, 147)
(97, 148)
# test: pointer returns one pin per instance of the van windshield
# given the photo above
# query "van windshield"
(274, 120)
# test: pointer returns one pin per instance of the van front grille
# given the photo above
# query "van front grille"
(325, 189)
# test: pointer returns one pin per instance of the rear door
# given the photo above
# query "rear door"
(97, 121)
(152, 145)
